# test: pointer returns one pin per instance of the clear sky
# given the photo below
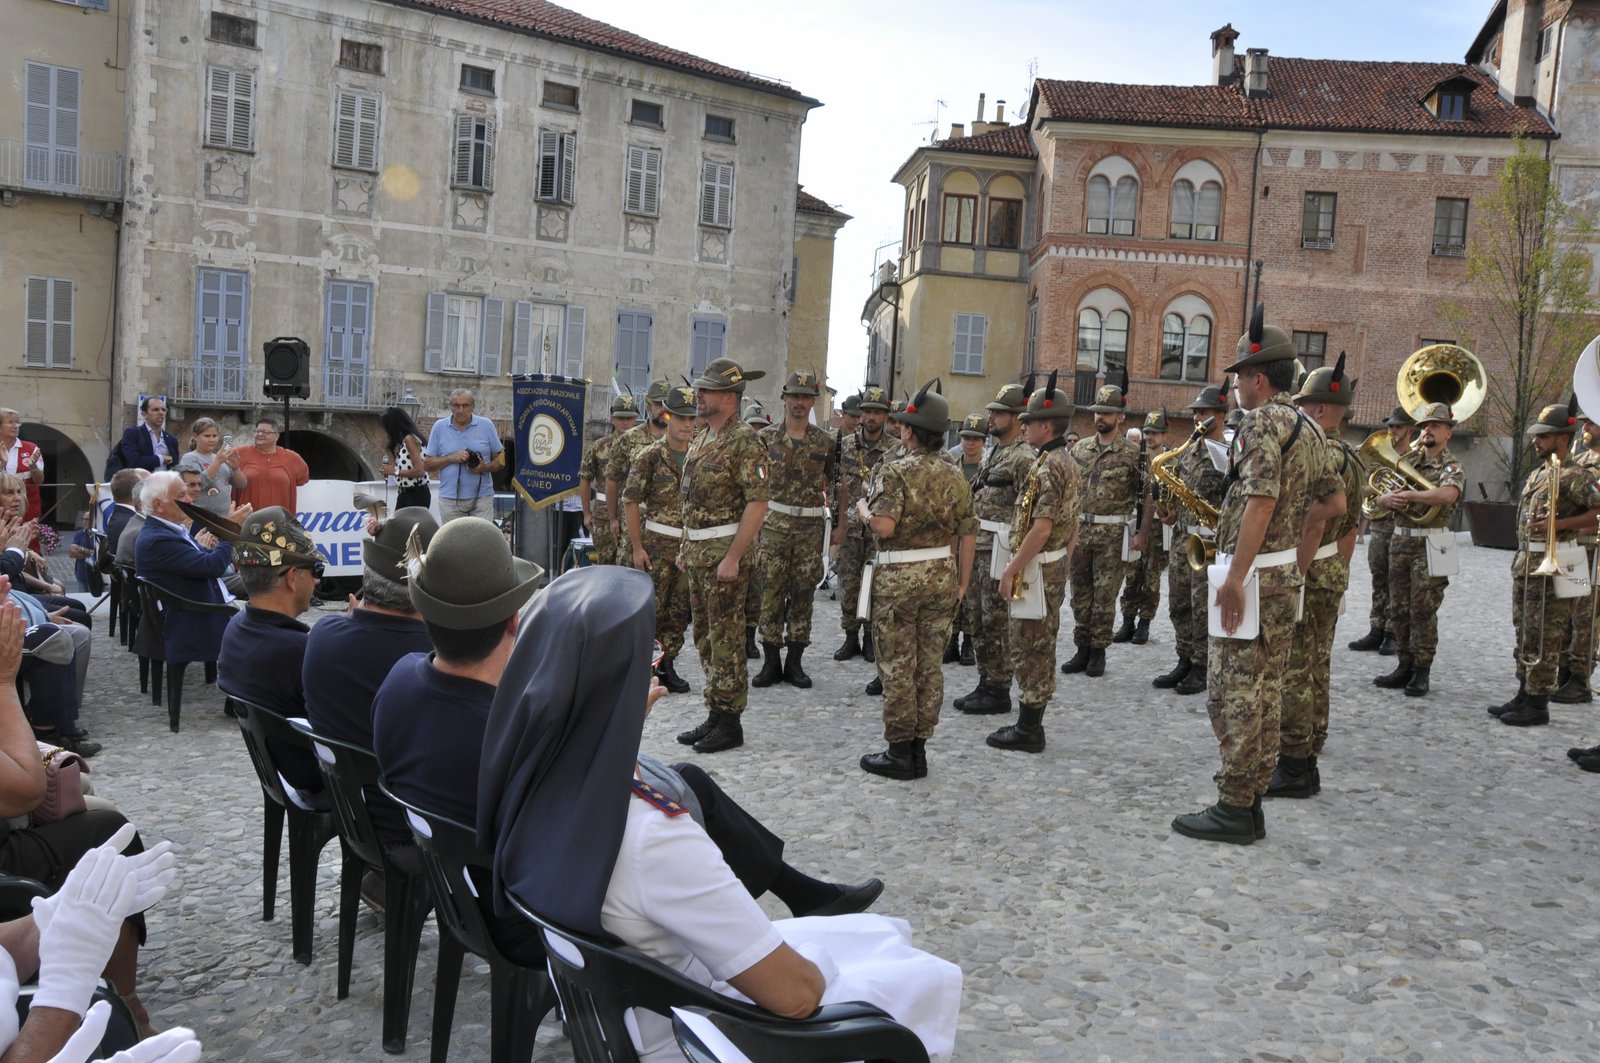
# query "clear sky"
(881, 70)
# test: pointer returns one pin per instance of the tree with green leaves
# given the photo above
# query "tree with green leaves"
(1526, 300)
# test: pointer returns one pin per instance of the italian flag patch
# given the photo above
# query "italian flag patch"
(761, 471)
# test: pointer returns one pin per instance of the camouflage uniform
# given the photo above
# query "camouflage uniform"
(1109, 490)
(1542, 620)
(1305, 685)
(1245, 696)
(1141, 591)
(1415, 596)
(856, 456)
(1579, 656)
(655, 483)
(1000, 481)
(619, 464)
(1187, 591)
(792, 545)
(1380, 533)
(594, 470)
(914, 603)
(1052, 488)
(724, 472)
(969, 612)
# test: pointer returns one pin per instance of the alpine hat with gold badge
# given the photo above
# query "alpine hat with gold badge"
(725, 374)
(802, 382)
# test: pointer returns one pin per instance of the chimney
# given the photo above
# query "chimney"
(1255, 73)
(1222, 72)
(957, 129)
(1000, 112)
(981, 96)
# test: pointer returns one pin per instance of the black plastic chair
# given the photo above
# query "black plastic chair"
(154, 600)
(598, 983)
(519, 996)
(349, 769)
(310, 816)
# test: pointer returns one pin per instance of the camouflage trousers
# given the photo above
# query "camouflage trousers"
(1032, 643)
(969, 612)
(1541, 621)
(990, 631)
(1414, 599)
(1579, 656)
(852, 558)
(672, 592)
(910, 633)
(1097, 571)
(605, 544)
(1245, 699)
(752, 589)
(1141, 591)
(791, 568)
(1186, 605)
(1305, 683)
(719, 635)
(1380, 535)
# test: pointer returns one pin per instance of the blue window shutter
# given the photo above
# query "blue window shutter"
(521, 335)
(572, 343)
(433, 350)
(494, 312)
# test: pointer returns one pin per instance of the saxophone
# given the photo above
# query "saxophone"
(1200, 551)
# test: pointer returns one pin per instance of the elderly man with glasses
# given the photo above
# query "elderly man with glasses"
(465, 451)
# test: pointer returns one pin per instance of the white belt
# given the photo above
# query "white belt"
(996, 526)
(721, 531)
(1272, 560)
(1104, 518)
(797, 511)
(1200, 530)
(664, 529)
(1538, 548)
(1588, 540)
(599, 496)
(1051, 556)
(1422, 533)
(906, 557)
(1326, 550)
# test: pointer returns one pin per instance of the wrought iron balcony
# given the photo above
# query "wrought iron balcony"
(87, 174)
(240, 386)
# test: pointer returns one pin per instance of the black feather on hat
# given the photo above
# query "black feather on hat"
(1124, 386)
(1258, 325)
(1338, 374)
(1032, 379)
(1572, 409)
(1050, 389)
(922, 394)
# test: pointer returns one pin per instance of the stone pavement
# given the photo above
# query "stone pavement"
(1437, 902)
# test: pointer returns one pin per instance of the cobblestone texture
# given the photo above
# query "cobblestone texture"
(1436, 902)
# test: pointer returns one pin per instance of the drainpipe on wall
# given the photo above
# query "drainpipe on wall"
(1250, 231)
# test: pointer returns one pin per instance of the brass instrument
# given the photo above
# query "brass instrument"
(1549, 566)
(1199, 550)
(1439, 372)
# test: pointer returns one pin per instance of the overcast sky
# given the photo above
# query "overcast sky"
(881, 70)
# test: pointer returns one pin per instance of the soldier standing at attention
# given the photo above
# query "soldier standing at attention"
(920, 512)
(1110, 466)
(849, 412)
(858, 456)
(1577, 662)
(999, 481)
(1542, 618)
(1188, 596)
(1044, 527)
(724, 503)
(1414, 594)
(1277, 452)
(1141, 592)
(974, 430)
(1380, 531)
(800, 465)
(1325, 398)
(592, 477)
(619, 462)
(653, 496)
(756, 416)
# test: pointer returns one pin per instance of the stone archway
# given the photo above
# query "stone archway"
(66, 470)
(329, 457)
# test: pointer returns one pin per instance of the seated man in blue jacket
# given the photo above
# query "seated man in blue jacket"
(188, 567)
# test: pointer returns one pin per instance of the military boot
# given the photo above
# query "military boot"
(1577, 753)
(896, 762)
(1291, 778)
(1535, 712)
(771, 667)
(1368, 642)
(1235, 824)
(1125, 632)
(750, 651)
(694, 734)
(990, 699)
(1316, 776)
(1078, 662)
(1390, 646)
(1171, 679)
(967, 657)
(851, 647)
(1027, 734)
(1194, 682)
(727, 734)
(1575, 691)
(1514, 704)
(1258, 818)
(1097, 664)
(875, 688)
(1398, 678)
(1562, 675)
(919, 758)
(952, 649)
(793, 673)
(1141, 633)
(964, 698)
(1417, 685)
(868, 654)
(670, 678)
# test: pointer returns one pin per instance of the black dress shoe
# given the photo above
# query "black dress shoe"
(727, 734)
(694, 734)
(1141, 633)
(1097, 664)
(1168, 680)
(852, 899)
(1220, 823)
(851, 647)
(896, 762)
(875, 688)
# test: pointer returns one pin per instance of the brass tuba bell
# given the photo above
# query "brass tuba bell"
(1442, 372)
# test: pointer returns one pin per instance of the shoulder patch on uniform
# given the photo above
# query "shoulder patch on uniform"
(651, 796)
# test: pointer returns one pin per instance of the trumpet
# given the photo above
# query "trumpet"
(1548, 566)
(1199, 550)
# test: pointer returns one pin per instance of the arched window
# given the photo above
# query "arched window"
(1102, 341)
(1185, 347)
(1196, 214)
(1112, 206)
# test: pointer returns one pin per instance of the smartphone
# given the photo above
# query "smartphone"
(227, 442)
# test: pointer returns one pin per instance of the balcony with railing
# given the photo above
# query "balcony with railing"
(233, 385)
(85, 174)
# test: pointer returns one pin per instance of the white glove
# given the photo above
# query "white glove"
(177, 1045)
(82, 929)
(154, 869)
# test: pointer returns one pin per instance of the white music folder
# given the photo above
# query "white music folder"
(1250, 623)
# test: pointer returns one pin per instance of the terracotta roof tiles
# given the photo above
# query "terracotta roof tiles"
(1012, 140)
(805, 201)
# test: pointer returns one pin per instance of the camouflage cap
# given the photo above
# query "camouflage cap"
(1012, 398)
(1327, 384)
(385, 552)
(802, 382)
(1261, 344)
(874, 398)
(851, 406)
(976, 426)
(725, 374)
(1560, 418)
(1109, 399)
(271, 538)
(680, 402)
(1400, 419)
(1433, 413)
(1155, 421)
(658, 389)
(624, 406)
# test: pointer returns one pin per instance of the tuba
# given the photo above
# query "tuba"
(1439, 372)
(1199, 551)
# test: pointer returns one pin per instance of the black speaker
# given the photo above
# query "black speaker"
(287, 364)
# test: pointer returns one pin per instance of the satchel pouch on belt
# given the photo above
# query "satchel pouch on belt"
(1443, 558)
(864, 601)
(1031, 605)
